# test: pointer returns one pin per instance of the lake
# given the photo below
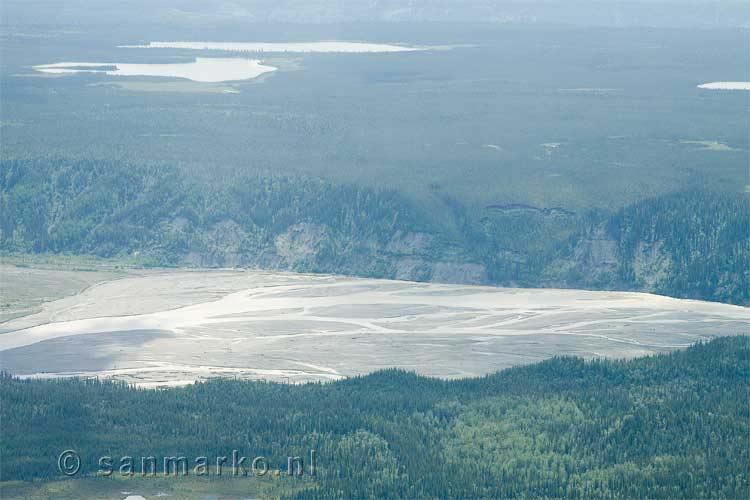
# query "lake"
(342, 47)
(203, 69)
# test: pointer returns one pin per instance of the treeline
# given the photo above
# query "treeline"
(669, 426)
(112, 208)
(706, 239)
(690, 244)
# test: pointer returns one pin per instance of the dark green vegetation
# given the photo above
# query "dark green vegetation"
(690, 244)
(670, 426)
(579, 118)
(531, 156)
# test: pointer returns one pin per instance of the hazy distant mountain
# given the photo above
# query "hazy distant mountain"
(666, 13)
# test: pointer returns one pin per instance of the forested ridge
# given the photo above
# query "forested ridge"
(668, 426)
(692, 244)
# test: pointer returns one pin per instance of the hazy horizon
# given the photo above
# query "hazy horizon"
(593, 13)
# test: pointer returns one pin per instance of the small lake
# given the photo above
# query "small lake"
(725, 86)
(203, 69)
(303, 47)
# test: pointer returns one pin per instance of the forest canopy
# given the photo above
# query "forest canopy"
(668, 426)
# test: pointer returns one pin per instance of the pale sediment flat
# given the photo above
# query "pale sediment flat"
(24, 289)
(725, 86)
(173, 328)
(203, 69)
(341, 47)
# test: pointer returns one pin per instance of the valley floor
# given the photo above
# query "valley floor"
(173, 327)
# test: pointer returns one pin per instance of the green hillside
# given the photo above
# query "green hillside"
(692, 244)
(670, 426)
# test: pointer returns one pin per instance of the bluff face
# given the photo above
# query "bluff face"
(692, 244)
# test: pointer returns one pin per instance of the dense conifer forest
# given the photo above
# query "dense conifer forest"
(536, 144)
(675, 425)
